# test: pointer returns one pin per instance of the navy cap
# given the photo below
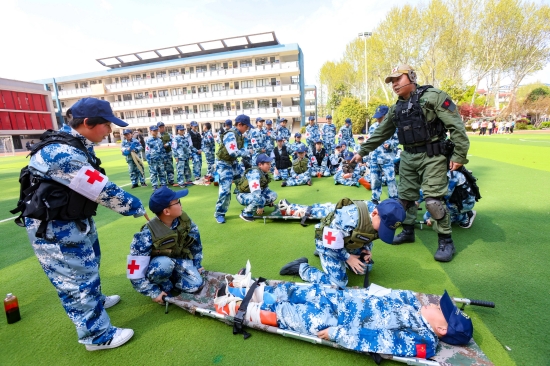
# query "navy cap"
(154, 128)
(301, 149)
(361, 138)
(229, 122)
(263, 158)
(311, 118)
(93, 107)
(318, 142)
(283, 120)
(348, 120)
(392, 215)
(243, 119)
(126, 131)
(459, 325)
(260, 119)
(180, 127)
(160, 124)
(279, 138)
(297, 134)
(381, 111)
(348, 155)
(339, 146)
(268, 122)
(194, 124)
(329, 116)
(160, 199)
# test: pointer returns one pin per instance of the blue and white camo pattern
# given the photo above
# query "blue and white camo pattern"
(154, 153)
(257, 199)
(299, 179)
(346, 135)
(182, 152)
(382, 166)
(329, 136)
(127, 147)
(209, 148)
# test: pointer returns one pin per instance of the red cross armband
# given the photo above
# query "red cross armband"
(333, 238)
(137, 266)
(231, 146)
(89, 182)
(254, 185)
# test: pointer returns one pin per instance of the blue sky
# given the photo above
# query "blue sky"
(58, 37)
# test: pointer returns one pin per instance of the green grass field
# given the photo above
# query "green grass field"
(503, 258)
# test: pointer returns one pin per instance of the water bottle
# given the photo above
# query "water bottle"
(11, 306)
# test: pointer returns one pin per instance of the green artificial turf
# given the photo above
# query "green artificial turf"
(502, 258)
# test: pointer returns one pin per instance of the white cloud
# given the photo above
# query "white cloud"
(105, 5)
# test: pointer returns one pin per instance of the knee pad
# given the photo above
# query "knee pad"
(436, 208)
(406, 204)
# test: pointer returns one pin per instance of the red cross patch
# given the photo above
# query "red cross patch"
(449, 105)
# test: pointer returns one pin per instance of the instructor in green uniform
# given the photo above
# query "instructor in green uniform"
(422, 116)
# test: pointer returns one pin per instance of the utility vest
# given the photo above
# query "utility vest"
(46, 200)
(222, 153)
(168, 242)
(320, 155)
(165, 137)
(196, 139)
(362, 235)
(282, 161)
(300, 165)
(243, 182)
(412, 127)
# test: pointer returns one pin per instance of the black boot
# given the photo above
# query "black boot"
(293, 268)
(445, 250)
(405, 236)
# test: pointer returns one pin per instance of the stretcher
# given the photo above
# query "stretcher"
(202, 303)
(277, 215)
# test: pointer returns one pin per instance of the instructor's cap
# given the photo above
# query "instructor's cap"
(153, 128)
(243, 119)
(459, 325)
(93, 107)
(398, 71)
(392, 215)
(263, 158)
(160, 199)
(381, 111)
(126, 131)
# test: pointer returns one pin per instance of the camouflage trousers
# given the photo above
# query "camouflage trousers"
(334, 270)
(210, 160)
(329, 146)
(184, 171)
(339, 179)
(377, 174)
(283, 174)
(253, 201)
(298, 180)
(158, 174)
(70, 258)
(168, 273)
(227, 172)
(135, 174)
(197, 164)
(169, 167)
(318, 210)
(315, 169)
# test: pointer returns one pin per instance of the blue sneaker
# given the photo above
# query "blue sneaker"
(245, 217)
(220, 219)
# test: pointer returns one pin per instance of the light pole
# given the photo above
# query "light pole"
(365, 35)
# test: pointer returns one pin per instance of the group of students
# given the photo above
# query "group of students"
(491, 127)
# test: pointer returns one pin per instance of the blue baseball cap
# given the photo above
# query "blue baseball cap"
(311, 118)
(283, 120)
(348, 120)
(154, 128)
(381, 111)
(160, 124)
(268, 122)
(459, 325)
(392, 215)
(180, 127)
(229, 122)
(260, 119)
(279, 138)
(361, 138)
(348, 155)
(126, 131)
(243, 119)
(318, 142)
(339, 146)
(329, 116)
(93, 107)
(297, 134)
(263, 158)
(194, 124)
(301, 149)
(160, 199)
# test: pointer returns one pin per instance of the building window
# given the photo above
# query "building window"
(136, 77)
(273, 81)
(126, 97)
(154, 93)
(177, 111)
(140, 95)
(75, 86)
(177, 91)
(248, 104)
(124, 79)
(217, 87)
(294, 79)
(238, 105)
(165, 111)
(261, 61)
(263, 103)
(140, 114)
(54, 104)
(246, 63)
(272, 59)
(128, 115)
(92, 82)
(174, 72)
(247, 84)
(203, 88)
(201, 68)
(274, 103)
(213, 67)
(218, 107)
(84, 84)
(163, 93)
(263, 82)
(152, 75)
(204, 108)
(161, 74)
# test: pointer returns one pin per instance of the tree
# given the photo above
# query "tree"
(538, 93)
(351, 107)
(340, 92)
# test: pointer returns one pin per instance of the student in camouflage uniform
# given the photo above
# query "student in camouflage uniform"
(208, 147)
(155, 268)
(227, 166)
(346, 134)
(167, 156)
(349, 172)
(319, 161)
(68, 250)
(270, 137)
(296, 144)
(283, 132)
(196, 149)
(257, 143)
(253, 189)
(430, 113)
(128, 146)
(154, 153)
(182, 152)
(329, 134)
(312, 134)
(300, 173)
(282, 161)
(336, 159)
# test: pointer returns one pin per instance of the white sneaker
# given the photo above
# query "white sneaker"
(111, 301)
(121, 336)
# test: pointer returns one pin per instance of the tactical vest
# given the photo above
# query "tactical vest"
(412, 127)
(362, 235)
(165, 137)
(168, 242)
(465, 190)
(282, 161)
(320, 155)
(47, 200)
(196, 139)
(300, 165)
(243, 186)
(222, 153)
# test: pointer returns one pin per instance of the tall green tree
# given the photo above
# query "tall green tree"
(351, 107)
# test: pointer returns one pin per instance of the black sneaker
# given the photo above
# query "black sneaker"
(293, 268)
(471, 216)
(405, 236)
(246, 217)
(376, 203)
(144, 184)
(445, 250)
(283, 184)
(309, 182)
(316, 253)
(134, 186)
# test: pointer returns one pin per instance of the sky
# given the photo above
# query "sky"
(51, 38)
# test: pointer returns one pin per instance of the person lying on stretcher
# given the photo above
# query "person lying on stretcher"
(367, 320)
